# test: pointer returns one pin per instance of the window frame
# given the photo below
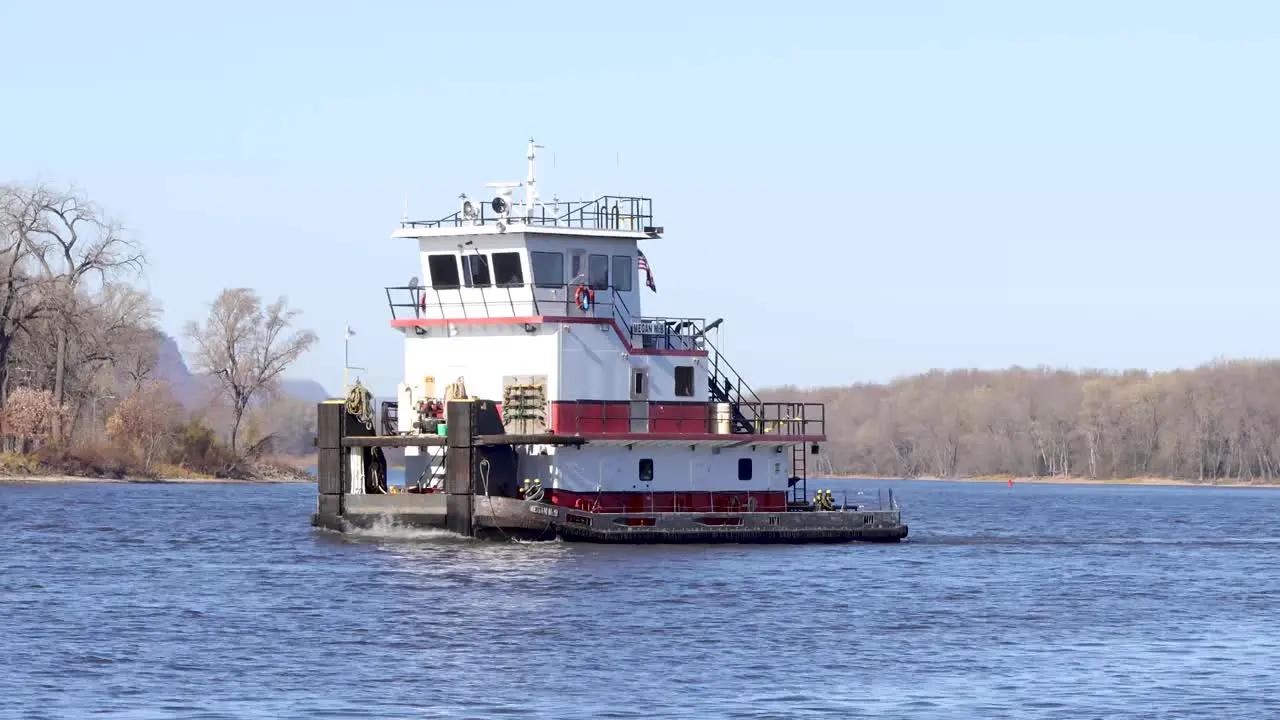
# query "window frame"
(628, 273)
(639, 376)
(469, 260)
(534, 256)
(519, 268)
(691, 380)
(602, 284)
(642, 465)
(749, 465)
(457, 271)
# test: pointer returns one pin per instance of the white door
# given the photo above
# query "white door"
(639, 400)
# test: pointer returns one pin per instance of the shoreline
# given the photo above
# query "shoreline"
(1069, 480)
(271, 470)
(59, 479)
(82, 480)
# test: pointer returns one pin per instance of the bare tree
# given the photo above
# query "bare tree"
(245, 348)
(21, 285)
(106, 333)
(1214, 422)
(136, 366)
(79, 251)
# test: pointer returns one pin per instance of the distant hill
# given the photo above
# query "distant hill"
(308, 390)
(194, 391)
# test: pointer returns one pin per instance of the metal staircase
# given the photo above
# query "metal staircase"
(745, 406)
(728, 387)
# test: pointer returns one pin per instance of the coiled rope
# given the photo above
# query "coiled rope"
(360, 404)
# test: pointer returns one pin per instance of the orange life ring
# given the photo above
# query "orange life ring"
(584, 297)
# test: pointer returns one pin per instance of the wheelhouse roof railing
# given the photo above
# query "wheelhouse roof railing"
(608, 212)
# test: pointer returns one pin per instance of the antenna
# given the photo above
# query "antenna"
(501, 204)
(530, 184)
(405, 217)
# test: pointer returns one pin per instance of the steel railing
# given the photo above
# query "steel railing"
(608, 212)
(615, 417)
(528, 299)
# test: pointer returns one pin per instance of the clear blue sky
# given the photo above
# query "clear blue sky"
(862, 190)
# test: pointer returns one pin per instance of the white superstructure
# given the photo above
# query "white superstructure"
(538, 308)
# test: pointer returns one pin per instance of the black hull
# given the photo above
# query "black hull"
(744, 537)
(514, 520)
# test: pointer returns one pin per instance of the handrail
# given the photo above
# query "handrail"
(614, 417)
(505, 301)
(531, 298)
(623, 320)
(604, 212)
(717, 358)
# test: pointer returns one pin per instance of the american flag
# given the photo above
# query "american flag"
(643, 263)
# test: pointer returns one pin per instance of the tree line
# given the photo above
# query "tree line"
(79, 341)
(1216, 422)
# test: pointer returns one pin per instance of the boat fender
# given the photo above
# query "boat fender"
(584, 297)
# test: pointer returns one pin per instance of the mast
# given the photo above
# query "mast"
(530, 184)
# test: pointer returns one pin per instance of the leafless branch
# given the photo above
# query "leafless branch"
(245, 349)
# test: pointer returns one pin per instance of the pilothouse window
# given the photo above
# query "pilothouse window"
(548, 268)
(444, 271)
(622, 272)
(598, 271)
(475, 270)
(506, 269)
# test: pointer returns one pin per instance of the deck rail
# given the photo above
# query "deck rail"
(611, 417)
(608, 212)
(417, 302)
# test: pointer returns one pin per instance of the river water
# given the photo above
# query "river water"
(211, 601)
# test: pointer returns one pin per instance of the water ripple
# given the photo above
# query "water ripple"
(220, 601)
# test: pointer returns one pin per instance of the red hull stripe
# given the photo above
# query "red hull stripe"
(540, 319)
(684, 501)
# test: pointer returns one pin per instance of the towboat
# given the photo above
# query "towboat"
(539, 401)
